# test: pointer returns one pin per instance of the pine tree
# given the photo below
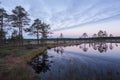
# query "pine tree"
(35, 29)
(3, 21)
(19, 20)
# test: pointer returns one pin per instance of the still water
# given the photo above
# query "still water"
(93, 61)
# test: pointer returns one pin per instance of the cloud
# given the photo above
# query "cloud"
(89, 22)
(94, 13)
(67, 14)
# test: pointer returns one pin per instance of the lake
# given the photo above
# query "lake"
(87, 61)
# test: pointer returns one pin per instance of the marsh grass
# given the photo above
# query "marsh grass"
(13, 62)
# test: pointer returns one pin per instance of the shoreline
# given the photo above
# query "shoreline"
(16, 67)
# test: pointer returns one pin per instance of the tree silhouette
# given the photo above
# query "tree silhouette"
(44, 32)
(61, 35)
(3, 21)
(111, 35)
(100, 33)
(39, 29)
(94, 35)
(105, 34)
(84, 35)
(19, 20)
(35, 29)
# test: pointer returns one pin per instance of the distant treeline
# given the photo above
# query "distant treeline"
(89, 38)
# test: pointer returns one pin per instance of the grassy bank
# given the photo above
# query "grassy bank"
(13, 62)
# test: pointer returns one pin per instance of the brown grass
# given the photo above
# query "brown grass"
(13, 63)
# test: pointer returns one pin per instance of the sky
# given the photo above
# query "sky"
(72, 17)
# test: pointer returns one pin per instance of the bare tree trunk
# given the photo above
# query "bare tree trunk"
(21, 36)
(20, 32)
(37, 37)
(1, 29)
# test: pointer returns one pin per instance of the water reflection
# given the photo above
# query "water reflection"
(111, 46)
(72, 64)
(41, 63)
(59, 50)
(100, 46)
(85, 48)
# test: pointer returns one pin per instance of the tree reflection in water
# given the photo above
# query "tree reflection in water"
(85, 48)
(111, 46)
(100, 46)
(72, 66)
(41, 63)
(59, 50)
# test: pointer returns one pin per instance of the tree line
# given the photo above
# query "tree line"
(101, 33)
(19, 21)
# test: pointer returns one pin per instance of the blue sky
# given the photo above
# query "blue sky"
(72, 17)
